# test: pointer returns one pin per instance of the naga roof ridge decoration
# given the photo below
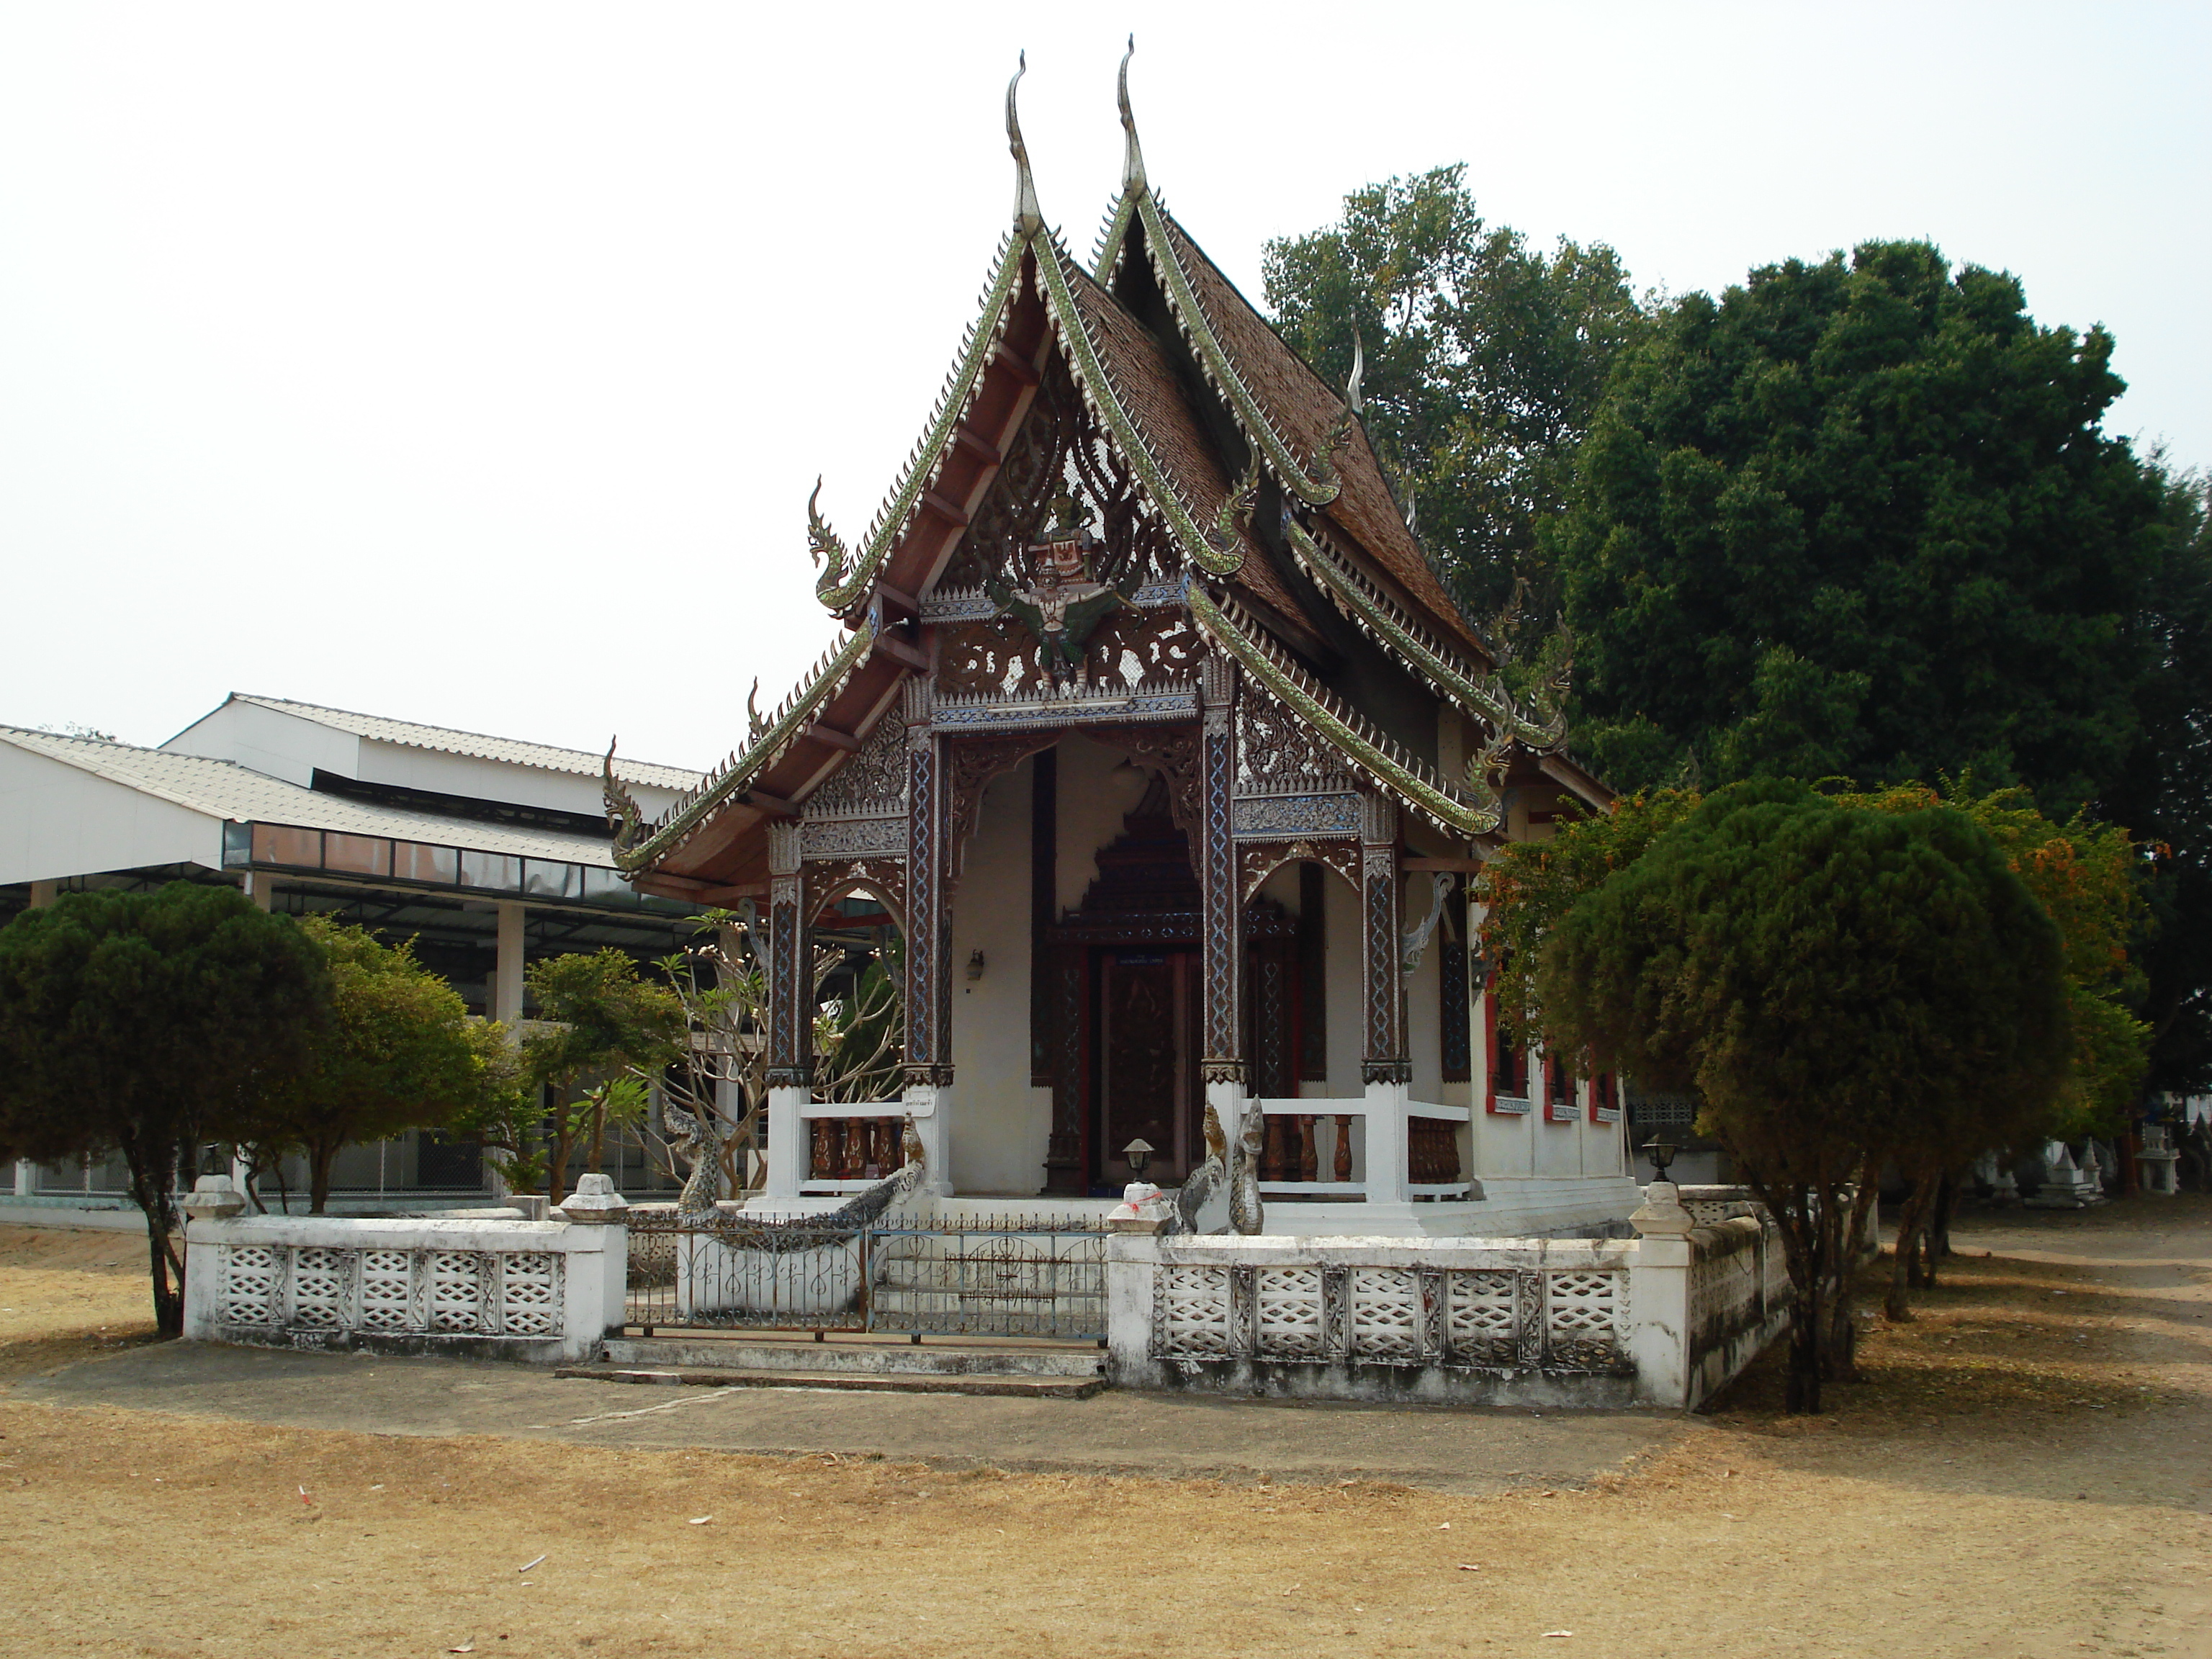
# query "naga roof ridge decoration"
(1096, 382)
(841, 583)
(1317, 487)
(1474, 809)
(1375, 615)
(688, 811)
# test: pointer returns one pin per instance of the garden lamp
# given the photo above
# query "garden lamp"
(1662, 1153)
(1140, 1154)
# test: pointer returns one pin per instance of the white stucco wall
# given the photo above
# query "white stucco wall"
(407, 768)
(270, 741)
(57, 821)
(999, 1125)
(292, 746)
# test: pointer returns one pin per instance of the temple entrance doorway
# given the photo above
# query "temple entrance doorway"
(1146, 1033)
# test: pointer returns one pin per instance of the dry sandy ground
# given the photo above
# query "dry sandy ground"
(2025, 1471)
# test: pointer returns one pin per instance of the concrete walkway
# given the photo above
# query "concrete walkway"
(1446, 1449)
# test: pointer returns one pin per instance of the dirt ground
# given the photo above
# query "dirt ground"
(2026, 1470)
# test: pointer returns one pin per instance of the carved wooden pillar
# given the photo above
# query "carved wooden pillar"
(929, 921)
(1383, 1068)
(1382, 982)
(791, 979)
(790, 1017)
(1222, 948)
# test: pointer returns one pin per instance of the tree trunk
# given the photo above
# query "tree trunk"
(1840, 1356)
(599, 1139)
(1904, 1264)
(154, 1186)
(319, 1159)
(1938, 1240)
(1802, 1392)
(562, 1136)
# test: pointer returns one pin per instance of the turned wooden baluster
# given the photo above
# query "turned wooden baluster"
(1343, 1146)
(1274, 1160)
(822, 1164)
(1309, 1159)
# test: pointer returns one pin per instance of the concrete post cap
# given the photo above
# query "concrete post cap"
(1661, 1214)
(214, 1196)
(594, 1201)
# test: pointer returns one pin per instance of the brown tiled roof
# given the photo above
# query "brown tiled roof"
(1147, 388)
(1303, 408)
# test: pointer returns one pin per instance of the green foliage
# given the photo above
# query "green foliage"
(1858, 518)
(396, 1055)
(2085, 876)
(1837, 983)
(1527, 886)
(2164, 791)
(1486, 360)
(150, 1024)
(599, 1019)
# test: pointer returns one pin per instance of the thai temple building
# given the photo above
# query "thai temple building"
(1152, 733)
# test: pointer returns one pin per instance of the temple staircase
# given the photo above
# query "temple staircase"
(1019, 1367)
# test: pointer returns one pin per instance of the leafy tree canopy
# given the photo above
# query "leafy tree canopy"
(1835, 982)
(1857, 517)
(2164, 792)
(397, 1055)
(1485, 361)
(600, 1020)
(148, 1023)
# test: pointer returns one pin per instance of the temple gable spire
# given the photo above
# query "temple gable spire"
(1029, 218)
(1133, 155)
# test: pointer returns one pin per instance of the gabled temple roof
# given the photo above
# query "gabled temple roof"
(1292, 414)
(1261, 591)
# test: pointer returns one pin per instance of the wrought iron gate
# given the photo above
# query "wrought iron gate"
(1003, 1275)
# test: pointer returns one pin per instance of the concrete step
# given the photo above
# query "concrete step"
(856, 1354)
(1026, 1388)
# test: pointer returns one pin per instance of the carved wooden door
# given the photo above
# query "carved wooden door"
(1148, 1063)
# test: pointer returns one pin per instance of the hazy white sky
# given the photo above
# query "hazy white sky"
(472, 363)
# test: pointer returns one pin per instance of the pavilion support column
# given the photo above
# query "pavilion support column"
(43, 893)
(928, 1061)
(27, 1177)
(1384, 1071)
(260, 886)
(1222, 1062)
(506, 976)
(790, 1015)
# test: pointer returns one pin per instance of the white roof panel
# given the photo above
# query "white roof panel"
(445, 740)
(224, 789)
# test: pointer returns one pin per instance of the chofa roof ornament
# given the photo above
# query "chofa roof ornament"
(1352, 400)
(1029, 218)
(1133, 156)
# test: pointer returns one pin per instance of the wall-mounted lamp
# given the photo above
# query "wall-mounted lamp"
(1140, 1154)
(975, 966)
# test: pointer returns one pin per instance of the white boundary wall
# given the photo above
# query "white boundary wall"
(547, 1291)
(1666, 1319)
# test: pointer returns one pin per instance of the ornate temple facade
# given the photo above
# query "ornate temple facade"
(1154, 733)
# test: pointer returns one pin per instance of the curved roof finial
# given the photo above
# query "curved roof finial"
(1132, 157)
(1028, 217)
(1352, 397)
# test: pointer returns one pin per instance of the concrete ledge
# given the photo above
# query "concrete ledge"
(1438, 1385)
(1025, 1387)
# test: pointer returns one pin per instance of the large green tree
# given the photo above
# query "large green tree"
(397, 1055)
(1859, 517)
(2164, 791)
(1486, 358)
(151, 1023)
(1835, 982)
